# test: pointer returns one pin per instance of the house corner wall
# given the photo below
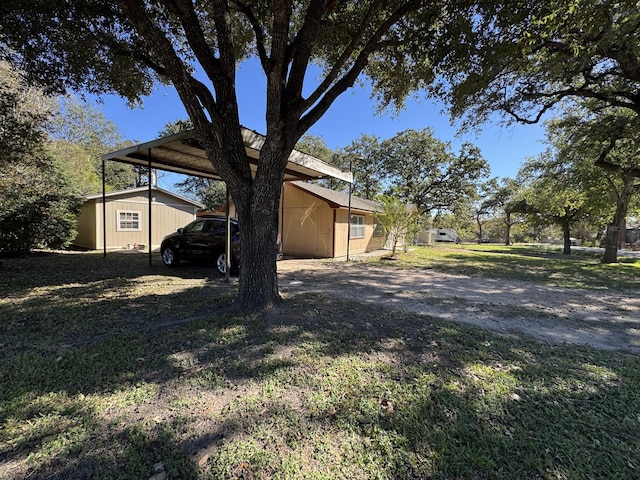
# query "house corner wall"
(307, 225)
(86, 222)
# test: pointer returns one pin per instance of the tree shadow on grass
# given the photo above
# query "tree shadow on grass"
(321, 386)
(412, 397)
(75, 413)
(45, 269)
(57, 305)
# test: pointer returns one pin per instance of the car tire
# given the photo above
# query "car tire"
(220, 259)
(169, 256)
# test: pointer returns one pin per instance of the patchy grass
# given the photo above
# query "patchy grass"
(546, 265)
(110, 368)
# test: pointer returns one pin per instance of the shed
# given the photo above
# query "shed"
(313, 222)
(127, 218)
(632, 234)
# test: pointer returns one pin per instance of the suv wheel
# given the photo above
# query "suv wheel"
(169, 256)
(221, 263)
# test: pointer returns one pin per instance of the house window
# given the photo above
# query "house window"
(128, 221)
(357, 226)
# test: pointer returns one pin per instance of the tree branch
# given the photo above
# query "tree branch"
(608, 165)
(173, 68)
(193, 94)
(184, 11)
(302, 47)
(341, 62)
(257, 30)
(326, 93)
(221, 20)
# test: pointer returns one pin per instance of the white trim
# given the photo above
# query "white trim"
(119, 221)
(357, 227)
(154, 203)
(144, 190)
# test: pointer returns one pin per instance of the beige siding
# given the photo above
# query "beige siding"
(310, 227)
(86, 226)
(307, 225)
(168, 214)
(376, 243)
(358, 245)
(341, 234)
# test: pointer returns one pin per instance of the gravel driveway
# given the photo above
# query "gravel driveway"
(600, 319)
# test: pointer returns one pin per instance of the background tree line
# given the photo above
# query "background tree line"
(50, 150)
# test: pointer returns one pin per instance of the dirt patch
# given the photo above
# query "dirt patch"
(601, 319)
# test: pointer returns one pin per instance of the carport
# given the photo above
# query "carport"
(182, 153)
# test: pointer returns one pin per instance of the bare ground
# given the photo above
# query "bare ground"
(599, 318)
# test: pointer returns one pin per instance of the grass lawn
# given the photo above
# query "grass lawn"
(539, 264)
(110, 369)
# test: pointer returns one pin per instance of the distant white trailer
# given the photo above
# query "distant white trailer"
(445, 235)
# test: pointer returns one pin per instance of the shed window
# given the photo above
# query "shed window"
(128, 221)
(357, 226)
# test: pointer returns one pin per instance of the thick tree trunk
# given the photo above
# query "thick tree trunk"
(612, 236)
(622, 236)
(611, 244)
(257, 212)
(507, 229)
(258, 287)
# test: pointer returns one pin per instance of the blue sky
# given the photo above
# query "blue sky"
(352, 115)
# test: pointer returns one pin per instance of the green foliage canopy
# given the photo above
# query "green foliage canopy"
(37, 202)
(528, 56)
(423, 171)
(603, 145)
(86, 130)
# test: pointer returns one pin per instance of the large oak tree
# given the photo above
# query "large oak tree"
(555, 51)
(604, 143)
(125, 46)
(425, 172)
(547, 52)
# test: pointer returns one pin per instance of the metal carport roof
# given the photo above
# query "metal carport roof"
(182, 153)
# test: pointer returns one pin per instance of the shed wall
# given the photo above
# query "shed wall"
(86, 226)
(168, 214)
(369, 243)
(307, 225)
(310, 227)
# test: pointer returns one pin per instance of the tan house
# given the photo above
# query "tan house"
(313, 222)
(127, 218)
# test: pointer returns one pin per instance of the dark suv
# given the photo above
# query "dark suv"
(204, 238)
